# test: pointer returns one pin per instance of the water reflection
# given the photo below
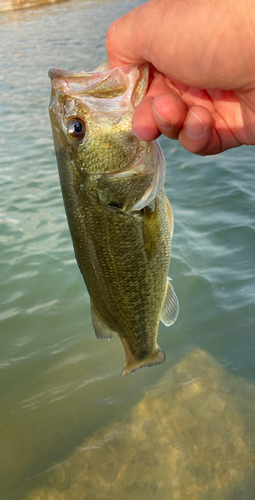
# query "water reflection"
(20, 11)
(190, 437)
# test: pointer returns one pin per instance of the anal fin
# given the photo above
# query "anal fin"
(170, 308)
(102, 331)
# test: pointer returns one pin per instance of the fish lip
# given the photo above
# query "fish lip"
(62, 78)
(59, 73)
(79, 84)
(89, 78)
(103, 68)
(63, 73)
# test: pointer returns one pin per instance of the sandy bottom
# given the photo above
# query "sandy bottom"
(191, 437)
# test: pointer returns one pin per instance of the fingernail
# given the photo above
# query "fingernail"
(164, 124)
(194, 127)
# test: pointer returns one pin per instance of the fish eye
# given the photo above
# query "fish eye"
(76, 128)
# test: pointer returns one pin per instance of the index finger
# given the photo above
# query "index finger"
(125, 40)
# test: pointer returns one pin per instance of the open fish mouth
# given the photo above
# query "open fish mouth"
(129, 84)
(117, 91)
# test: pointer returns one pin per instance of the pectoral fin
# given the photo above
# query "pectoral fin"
(102, 331)
(132, 364)
(170, 308)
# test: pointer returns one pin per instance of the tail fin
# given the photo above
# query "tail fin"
(131, 365)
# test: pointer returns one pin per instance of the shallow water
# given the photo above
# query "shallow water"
(189, 437)
(59, 384)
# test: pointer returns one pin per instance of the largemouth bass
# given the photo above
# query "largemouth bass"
(120, 220)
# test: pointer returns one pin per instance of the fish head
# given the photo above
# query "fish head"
(91, 116)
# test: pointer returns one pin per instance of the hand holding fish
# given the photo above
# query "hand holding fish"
(202, 57)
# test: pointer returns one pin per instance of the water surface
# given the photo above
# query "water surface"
(59, 384)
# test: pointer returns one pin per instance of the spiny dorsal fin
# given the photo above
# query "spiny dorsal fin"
(170, 308)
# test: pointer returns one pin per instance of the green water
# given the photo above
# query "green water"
(59, 385)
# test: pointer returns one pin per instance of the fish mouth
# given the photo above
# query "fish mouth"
(129, 82)
(62, 73)
(115, 92)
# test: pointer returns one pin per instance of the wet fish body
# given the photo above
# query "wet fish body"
(120, 220)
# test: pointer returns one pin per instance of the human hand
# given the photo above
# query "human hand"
(202, 56)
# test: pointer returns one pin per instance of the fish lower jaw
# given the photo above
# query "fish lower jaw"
(132, 364)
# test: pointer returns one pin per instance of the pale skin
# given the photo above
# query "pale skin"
(202, 59)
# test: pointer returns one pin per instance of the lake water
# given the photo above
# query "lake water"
(70, 429)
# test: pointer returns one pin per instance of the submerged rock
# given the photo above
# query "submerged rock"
(190, 438)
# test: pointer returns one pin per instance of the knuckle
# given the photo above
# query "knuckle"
(110, 36)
